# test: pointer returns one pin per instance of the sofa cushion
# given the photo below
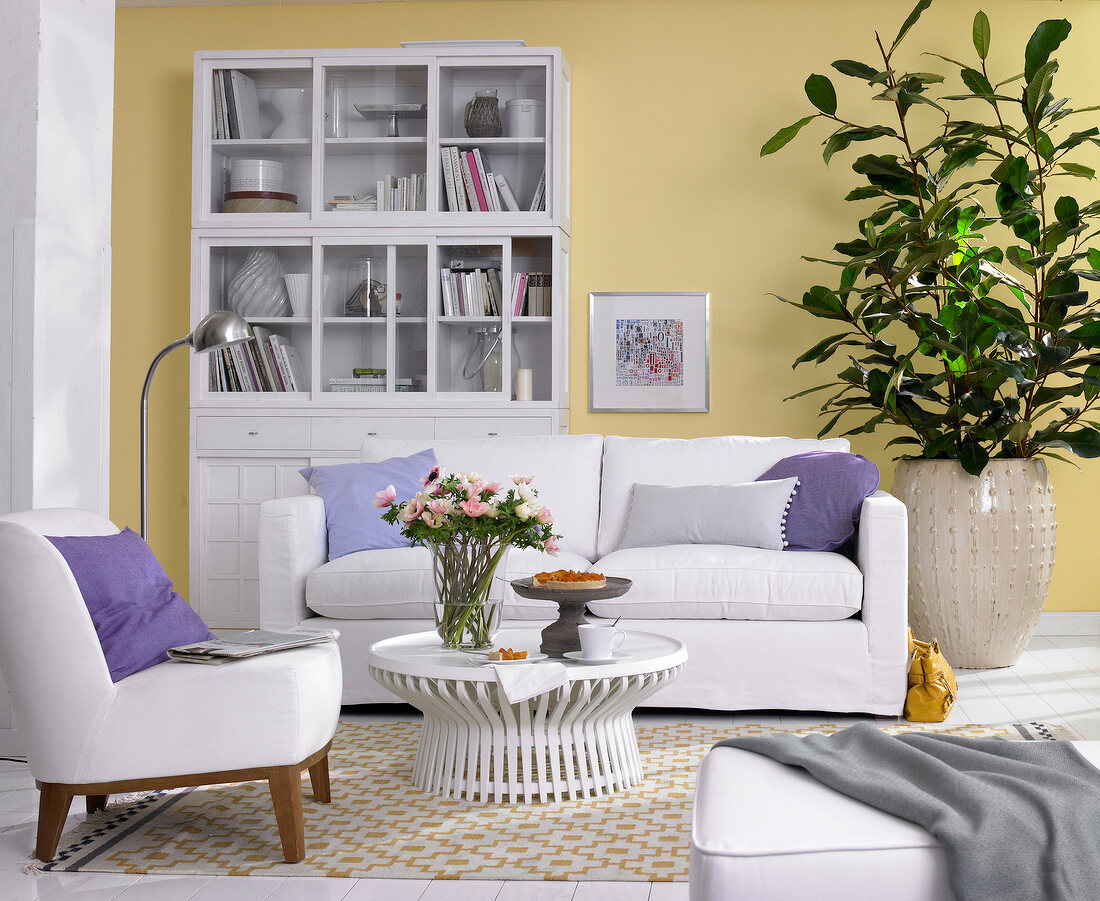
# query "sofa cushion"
(824, 514)
(348, 490)
(724, 460)
(705, 581)
(397, 584)
(566, 470)
(750, 515)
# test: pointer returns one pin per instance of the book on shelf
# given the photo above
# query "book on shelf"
(470, 292)
(400, 193)
(504, 190)
(530, 294)
(483, 179)
(538, 202)
(518, 292)
(448, 178)
(262, 348)
(233, 127)
(248, 644)
(475, 180)
(494, 192)
(460, 184)
(219, 106)
(242, 88)
(352, 202)
(270, 363)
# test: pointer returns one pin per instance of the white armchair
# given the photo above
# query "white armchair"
(265, 718)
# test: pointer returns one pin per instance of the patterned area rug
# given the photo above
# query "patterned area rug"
(379, 826)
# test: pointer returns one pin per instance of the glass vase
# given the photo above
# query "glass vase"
(469, 591)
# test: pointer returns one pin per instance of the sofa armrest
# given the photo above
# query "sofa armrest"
(882, 551)
(293, 543)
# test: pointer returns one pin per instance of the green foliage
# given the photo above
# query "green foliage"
(963, 303)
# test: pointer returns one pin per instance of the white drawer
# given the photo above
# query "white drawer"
(492, 426)
(341, 433)
(252, 432)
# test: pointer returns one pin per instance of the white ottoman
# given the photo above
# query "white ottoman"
(765, 831)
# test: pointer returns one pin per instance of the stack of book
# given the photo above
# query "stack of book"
(352, 202)
(470, 292)
(236, 110)
(530, 294)
(401, 193)
(470, 185)
(367, 380)
(270, 363)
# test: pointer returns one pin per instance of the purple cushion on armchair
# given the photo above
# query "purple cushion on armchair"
(136, 613)
(824, 513)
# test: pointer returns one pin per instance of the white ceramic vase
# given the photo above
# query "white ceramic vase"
(981, 551)
(258, 288)
(293, 108)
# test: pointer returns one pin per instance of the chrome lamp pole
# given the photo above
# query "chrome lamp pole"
(216, 330)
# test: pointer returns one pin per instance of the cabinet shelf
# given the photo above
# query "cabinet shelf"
(241, 147)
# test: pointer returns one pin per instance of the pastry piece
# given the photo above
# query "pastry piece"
(507, 654)
(569, 579)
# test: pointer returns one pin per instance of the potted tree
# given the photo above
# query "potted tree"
(963, 308)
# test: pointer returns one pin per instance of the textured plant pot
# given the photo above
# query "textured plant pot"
(981, 551)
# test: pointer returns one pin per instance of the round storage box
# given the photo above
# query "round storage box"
(525, 119)
(260, 202)
(255, 175)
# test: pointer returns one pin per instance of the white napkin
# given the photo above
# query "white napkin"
(522, 682)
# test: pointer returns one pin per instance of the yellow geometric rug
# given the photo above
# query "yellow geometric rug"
(379, 826)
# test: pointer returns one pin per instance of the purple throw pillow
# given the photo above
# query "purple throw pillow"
(136, 613)
(825, 509)
(348, 490)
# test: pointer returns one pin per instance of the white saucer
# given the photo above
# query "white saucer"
(530, 658)
(616, 656)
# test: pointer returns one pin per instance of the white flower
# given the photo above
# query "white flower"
(524, 512)
(521, 480)
(526, 492)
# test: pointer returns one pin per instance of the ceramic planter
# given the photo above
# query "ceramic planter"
(981, 551)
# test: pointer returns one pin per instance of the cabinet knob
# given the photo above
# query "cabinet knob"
(372, 434)
(253, 434)
(494, 434)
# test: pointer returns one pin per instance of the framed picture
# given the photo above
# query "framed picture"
(649, 350)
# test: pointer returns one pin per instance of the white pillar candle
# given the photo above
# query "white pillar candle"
(523, 384)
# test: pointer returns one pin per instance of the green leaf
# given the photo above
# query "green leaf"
(821, 93)
(855, 69)
(1039, 86)
(1079, 171)
(977, 82)
(921, 6)
(784, 136)
(981, 34)
(1094, 257)
(1044, 41)
(973, 458)
(1085, 442)
(1013, 171)
(1067, 211)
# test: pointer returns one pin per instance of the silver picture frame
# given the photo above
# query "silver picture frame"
(649, 351)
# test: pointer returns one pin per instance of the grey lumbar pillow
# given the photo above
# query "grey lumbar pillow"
(750, 515)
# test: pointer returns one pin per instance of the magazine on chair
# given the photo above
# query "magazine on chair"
(248, 644)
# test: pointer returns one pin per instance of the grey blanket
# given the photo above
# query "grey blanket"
(1019, 821)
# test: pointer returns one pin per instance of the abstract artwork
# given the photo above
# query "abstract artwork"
(649, 351)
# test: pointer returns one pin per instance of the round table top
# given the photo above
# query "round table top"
(420, 654)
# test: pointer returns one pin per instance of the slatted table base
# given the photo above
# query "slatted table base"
(576, 741)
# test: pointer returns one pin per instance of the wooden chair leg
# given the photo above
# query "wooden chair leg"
(286, 794)
(318, 778)
(53, 807)
(95, 803)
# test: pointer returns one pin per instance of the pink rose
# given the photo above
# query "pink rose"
(474, 507)
(544, 516)
(550, 545)
(385, 497)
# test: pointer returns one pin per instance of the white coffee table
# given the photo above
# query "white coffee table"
(576, 741)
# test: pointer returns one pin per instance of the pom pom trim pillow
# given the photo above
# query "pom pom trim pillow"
(348, 490)
(136, 613)
(752, 514)
(832, 486)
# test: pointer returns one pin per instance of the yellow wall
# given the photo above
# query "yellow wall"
(671, 102)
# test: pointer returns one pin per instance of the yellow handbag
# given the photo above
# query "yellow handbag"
(932, 686)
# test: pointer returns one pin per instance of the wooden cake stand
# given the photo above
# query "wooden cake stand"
(562, 635)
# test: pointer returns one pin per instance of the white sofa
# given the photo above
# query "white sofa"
(764, 629)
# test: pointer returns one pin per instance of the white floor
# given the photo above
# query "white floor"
(1057, 681)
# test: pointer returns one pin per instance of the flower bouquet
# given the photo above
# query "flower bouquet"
(469, 526)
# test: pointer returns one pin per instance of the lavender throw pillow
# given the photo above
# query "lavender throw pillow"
(136, 613)
(348, 490)
(824, 514)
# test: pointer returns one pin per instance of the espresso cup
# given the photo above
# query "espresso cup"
(599, 641)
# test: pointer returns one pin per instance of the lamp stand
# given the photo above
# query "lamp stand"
(181, 342)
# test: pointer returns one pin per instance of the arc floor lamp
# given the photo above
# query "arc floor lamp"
(216, 330)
